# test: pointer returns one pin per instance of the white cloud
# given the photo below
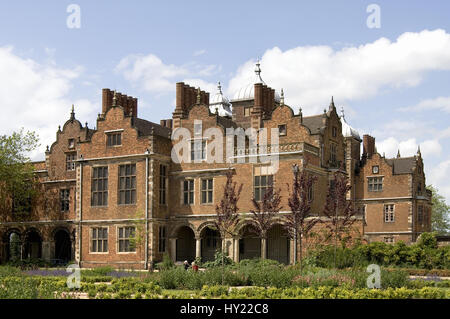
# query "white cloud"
(35, 96)
(439, 103)
(438, 177)
(390, 146)
(199, 52)
(310, 75)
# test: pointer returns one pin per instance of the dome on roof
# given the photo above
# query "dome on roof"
(247, 92)
(347, 130)
(219, 101)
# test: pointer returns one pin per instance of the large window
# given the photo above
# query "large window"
(333, 152)
(99, 240)
(198, 150)
(188, 191)
(162, 184)
(127, 184)
(420, 214)
(99, 190)
(70, 161)
(207, 191)
(389, 213)
(64, 196)
(262, 181)
(114, 139)
(375, 184)
(126, 239)
(162, 239)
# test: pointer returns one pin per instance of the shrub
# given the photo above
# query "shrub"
(217, 262)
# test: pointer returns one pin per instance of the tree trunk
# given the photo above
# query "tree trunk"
(263, 248)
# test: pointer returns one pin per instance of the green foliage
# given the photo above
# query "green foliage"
(325, 293)
(423, 254)
(217, 262)
(100, 271)
(440, 213)
(166, 264)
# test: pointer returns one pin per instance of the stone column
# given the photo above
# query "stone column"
(292, 249)
(198, 247)
(173, 248)
(46, 250)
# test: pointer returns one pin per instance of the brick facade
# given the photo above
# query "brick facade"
(145, 191)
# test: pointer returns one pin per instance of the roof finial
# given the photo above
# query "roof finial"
(418, 151)
(198, 95)
(114, 98)
(72, 113)
(219, 87)
(258, 72)
(332, 104)
(398, 153)
(342, 112)
(282, 97)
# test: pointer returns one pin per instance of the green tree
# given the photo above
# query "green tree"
(440, 213)
(16, 171)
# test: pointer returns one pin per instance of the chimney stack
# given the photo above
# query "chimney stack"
(368, 145)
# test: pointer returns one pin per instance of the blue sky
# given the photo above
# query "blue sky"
(393, 81)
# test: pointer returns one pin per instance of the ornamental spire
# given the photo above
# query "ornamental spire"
(198, 95)
(332, 104)
(114, 99)
(72, 113)
(282, 97)
(398, 154)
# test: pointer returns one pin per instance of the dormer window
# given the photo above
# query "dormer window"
(282, 129)
(71, 143)
(114, 139)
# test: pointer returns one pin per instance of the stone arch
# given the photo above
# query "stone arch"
(176, 228)
(13, 242)
(278, 244)
(210, 241)
(249, 243)
(185, 243)
(62, 239)
(32, 244)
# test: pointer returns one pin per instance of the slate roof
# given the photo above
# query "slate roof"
(402, 165)
(144, 128)
(314, 123)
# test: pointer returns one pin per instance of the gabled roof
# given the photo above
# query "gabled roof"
(402, 165)
(314, 123)
(144, 128)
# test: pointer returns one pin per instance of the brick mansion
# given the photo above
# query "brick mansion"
(119, 180)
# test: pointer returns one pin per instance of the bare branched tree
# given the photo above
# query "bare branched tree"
(227, 217)
(339, 212)
(264, 216)
(298, 223)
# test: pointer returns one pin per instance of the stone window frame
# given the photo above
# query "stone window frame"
(105, 190)
(389, 215)
(334, 131)
(284, 131)
(269, 177)
(162, 238)
(193, 151)
(71, 143)
(420, 214)
(131, 189)
(71, 157)
(163, 181)
(119, 239)
(248, 111)
(375, 178)
(207, 191)
(103, 239)
(110, 141)
(64, 200)
(189, 191)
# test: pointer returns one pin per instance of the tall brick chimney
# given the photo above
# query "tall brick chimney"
(368, 145)
(128, 103)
